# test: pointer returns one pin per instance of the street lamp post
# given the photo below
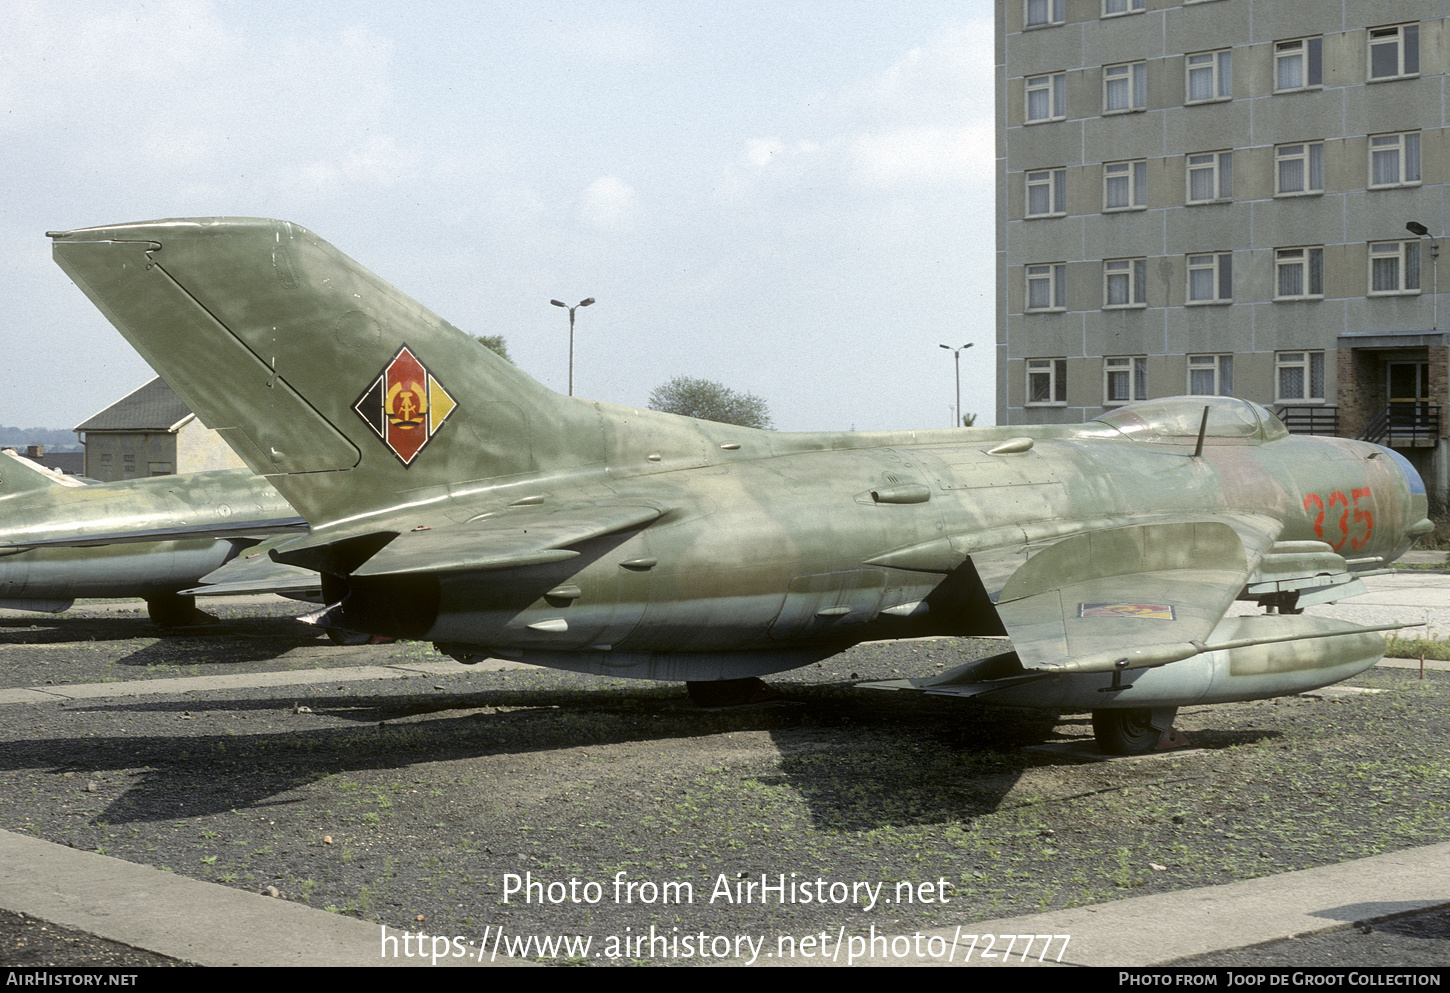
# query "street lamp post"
(957, 355)
(1419, 230)
(581, 303)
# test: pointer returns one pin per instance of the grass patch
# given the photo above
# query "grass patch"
(1410, 648)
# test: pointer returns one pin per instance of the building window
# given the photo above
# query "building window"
(1125, 87)
(1125, 379)
(1125, 283)
(1299, 169)
(158, 468)
(1125, 185)
(1047, 193)
(1210, 278)
(1112, 8)
(1046, 382)
(1210, 177)
(1394, 53)
(1211, 375)
(1046, 98)
(1041, 13)
(1298, 64)
(1209, 76)
(1394, 267)
(1299, 273)
(1394, 160)
(1299, 376)
(1047, 287)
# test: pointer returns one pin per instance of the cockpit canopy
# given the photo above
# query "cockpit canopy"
(1176, 421)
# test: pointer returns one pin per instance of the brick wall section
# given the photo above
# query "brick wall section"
(1361, 390)
(1439, 396)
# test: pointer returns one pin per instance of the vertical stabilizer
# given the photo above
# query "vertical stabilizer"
(343, 391)
(20, 475)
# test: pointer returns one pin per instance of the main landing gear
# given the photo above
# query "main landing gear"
(1137, 731)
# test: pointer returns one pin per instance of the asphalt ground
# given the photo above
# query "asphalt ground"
(154, 791)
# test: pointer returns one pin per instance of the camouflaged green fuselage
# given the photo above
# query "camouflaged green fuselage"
(453, 498)
(44, 526)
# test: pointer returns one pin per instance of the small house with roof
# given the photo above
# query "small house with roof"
(150, 432)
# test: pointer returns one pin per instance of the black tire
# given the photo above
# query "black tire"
(1125, 732)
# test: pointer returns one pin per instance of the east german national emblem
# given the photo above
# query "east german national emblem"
(405, 405)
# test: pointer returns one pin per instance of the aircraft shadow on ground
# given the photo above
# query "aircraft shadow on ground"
(51, 629)
(186, 652)
(858, 762)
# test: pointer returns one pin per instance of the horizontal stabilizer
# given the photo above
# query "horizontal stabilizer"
(254, 571)
(515, 538)
(182, 532)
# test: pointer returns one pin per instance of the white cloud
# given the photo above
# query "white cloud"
(609, 203)
(925, 120)
(929, 116)
(923, 155)
(763, 153)
(159, 95)
(947, 79)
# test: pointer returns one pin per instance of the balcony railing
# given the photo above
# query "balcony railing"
(1310, 419)
(1404, 425)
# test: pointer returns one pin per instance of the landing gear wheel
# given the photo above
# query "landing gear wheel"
(171, 610)
(730, 692)
(1136, 731)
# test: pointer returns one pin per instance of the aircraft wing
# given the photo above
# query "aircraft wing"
(1130, 597)
(512, 538)
(178, 532)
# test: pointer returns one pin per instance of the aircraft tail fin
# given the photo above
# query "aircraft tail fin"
(340, 389)
(19, 474)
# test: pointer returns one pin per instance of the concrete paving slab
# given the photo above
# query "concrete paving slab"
(209, 924)
(187, 919)
(1165, 927)
(242, 681)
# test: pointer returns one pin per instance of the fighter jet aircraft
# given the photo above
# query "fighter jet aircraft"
(61, 538)
(453, 498)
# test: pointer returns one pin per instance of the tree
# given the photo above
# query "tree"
(495, 344)
(710, 401)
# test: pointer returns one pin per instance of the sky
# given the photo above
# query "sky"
(791, 198)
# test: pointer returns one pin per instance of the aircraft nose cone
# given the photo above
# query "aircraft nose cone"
(1407, 469)
(1417, 522)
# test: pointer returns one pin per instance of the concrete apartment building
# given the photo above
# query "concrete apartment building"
(1212, 197)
